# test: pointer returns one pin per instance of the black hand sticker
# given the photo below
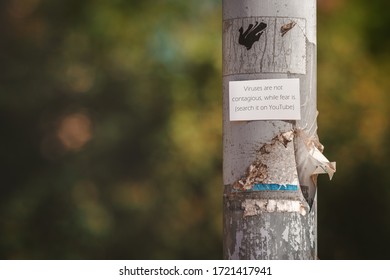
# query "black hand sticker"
(251, 34)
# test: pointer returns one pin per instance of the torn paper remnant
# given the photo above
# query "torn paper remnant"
(322, 163)
(274, 167)
(287, 27)
(254, 207)
(310, 160)
(256, 173)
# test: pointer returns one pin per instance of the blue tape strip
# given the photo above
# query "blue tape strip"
(274, 187)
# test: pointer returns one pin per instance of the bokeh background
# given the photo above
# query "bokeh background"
(111, 129)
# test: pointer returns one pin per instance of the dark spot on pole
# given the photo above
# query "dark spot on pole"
(251, 35)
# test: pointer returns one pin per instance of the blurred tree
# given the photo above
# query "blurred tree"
(354, 112)
(111, 127)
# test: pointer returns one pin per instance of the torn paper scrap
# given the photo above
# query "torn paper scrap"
(253, 207)
(310, 160)
(322, 163)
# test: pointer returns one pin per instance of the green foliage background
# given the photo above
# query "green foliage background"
(111, 142)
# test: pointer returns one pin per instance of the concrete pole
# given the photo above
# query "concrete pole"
(271, 150)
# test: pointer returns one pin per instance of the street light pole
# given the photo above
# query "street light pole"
(270, 146)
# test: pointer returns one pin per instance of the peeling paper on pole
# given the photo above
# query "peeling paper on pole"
(322, 163)
(310, 160)
(274, 168)
(253, 207)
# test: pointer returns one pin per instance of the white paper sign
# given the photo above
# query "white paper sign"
(273, 99)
